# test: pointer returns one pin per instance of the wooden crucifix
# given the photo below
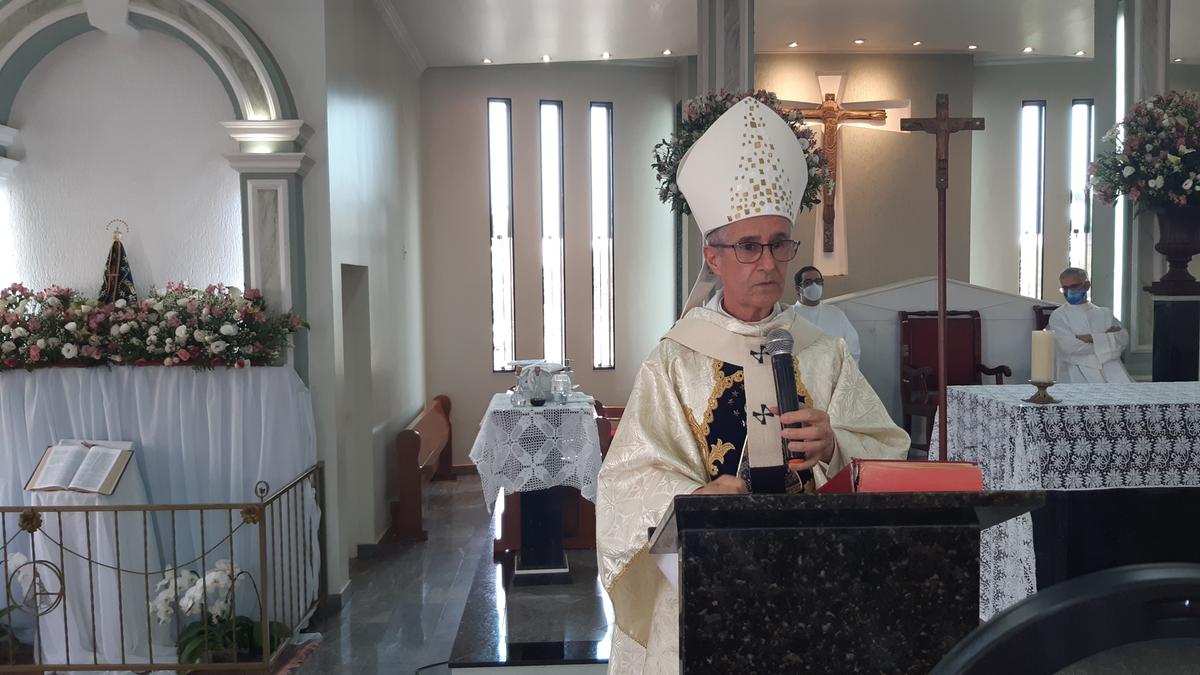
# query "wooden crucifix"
(832, 115)
(942, 125)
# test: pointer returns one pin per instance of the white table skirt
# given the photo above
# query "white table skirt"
(199, 436)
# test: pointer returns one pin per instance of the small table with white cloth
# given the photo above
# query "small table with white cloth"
(1086, 451)
(528, 450)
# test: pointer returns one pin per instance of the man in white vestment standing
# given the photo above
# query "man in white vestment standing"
(810, 286)
(702, 406)
(1089, 340)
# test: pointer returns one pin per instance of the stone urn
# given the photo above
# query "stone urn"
(1179, 240)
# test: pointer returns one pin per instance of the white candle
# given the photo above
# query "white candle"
(1042, 370)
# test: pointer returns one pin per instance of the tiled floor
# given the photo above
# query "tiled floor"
(403, 609)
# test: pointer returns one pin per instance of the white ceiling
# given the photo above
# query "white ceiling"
(464, 32)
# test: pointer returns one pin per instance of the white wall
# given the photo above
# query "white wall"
(887, 178)
(455, 213)
(999, 93)
(122, 128)
(375, 223)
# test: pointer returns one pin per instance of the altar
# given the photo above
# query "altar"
(1121, 462)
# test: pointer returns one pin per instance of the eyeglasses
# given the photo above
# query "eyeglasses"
(748, 252)
(809, 282)
(1073, 287)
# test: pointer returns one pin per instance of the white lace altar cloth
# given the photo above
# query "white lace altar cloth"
(1098, 436)
(526, 448)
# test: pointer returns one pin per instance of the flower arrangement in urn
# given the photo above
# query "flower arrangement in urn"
(1155, 163)
(178, 325)
(700, 113)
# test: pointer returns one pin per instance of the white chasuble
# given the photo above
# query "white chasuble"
(660, 451)
(1096, 362)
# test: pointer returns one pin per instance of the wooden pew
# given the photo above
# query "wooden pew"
(423, 450)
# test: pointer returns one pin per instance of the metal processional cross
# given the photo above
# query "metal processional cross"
(941, 126)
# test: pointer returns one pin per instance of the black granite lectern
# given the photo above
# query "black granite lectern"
(870, 583)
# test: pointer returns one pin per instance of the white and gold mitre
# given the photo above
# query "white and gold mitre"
(748, 163)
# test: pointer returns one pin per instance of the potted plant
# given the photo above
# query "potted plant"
(218, 635)
(1155, 164)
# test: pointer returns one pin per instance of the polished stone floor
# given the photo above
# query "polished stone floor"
(403, 608)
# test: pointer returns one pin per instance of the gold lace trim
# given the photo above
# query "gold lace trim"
(717, 451)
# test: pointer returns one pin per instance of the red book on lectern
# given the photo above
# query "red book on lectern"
(898, 475)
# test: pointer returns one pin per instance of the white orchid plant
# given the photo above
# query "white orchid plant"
(217, 635)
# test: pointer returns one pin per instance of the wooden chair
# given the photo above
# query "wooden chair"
(919, 379)
(579, 514)
(423, 451)
(1041, 316)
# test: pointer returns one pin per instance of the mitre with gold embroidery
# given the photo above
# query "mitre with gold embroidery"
(748, 163)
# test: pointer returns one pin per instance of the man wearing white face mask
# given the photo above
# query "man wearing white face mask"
(810, 285)
(1089, 339)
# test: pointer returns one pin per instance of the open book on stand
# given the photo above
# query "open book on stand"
(81, 466)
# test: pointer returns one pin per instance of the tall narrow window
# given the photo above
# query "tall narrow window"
(602, 236)
(1031, 182)
(553, 321)
(499, 125)
(1079, 243)
(1118, 287)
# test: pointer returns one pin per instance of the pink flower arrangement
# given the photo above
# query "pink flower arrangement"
(1155, 160)
(217, 326)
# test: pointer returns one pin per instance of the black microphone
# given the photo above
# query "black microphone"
(779, 348)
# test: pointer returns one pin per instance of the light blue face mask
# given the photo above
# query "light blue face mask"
(1075, 296)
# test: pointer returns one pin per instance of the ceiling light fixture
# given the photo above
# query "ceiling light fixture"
(487, 61)
(793, 45)
(917, 43)
(606, 56)
(1177, 59)
(545, 58)
(666, 52)
(972, 47)
(859, 41)
(1028, 50)
(1080, 53)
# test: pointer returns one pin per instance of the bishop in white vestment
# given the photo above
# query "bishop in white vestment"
(1089, 340)
(702, 406)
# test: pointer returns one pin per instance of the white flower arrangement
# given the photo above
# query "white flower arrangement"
(209, 595)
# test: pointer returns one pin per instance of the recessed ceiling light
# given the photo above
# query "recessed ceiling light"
(917, 43)
(793, 45)
(859, 41)
(1177, 60)
(1080, 53)
(1028, 50)
(486, 61)
(666, 52)
(972, 47)
(545, 58)
(606, 56)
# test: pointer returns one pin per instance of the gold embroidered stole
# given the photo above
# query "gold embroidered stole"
(764, 445)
